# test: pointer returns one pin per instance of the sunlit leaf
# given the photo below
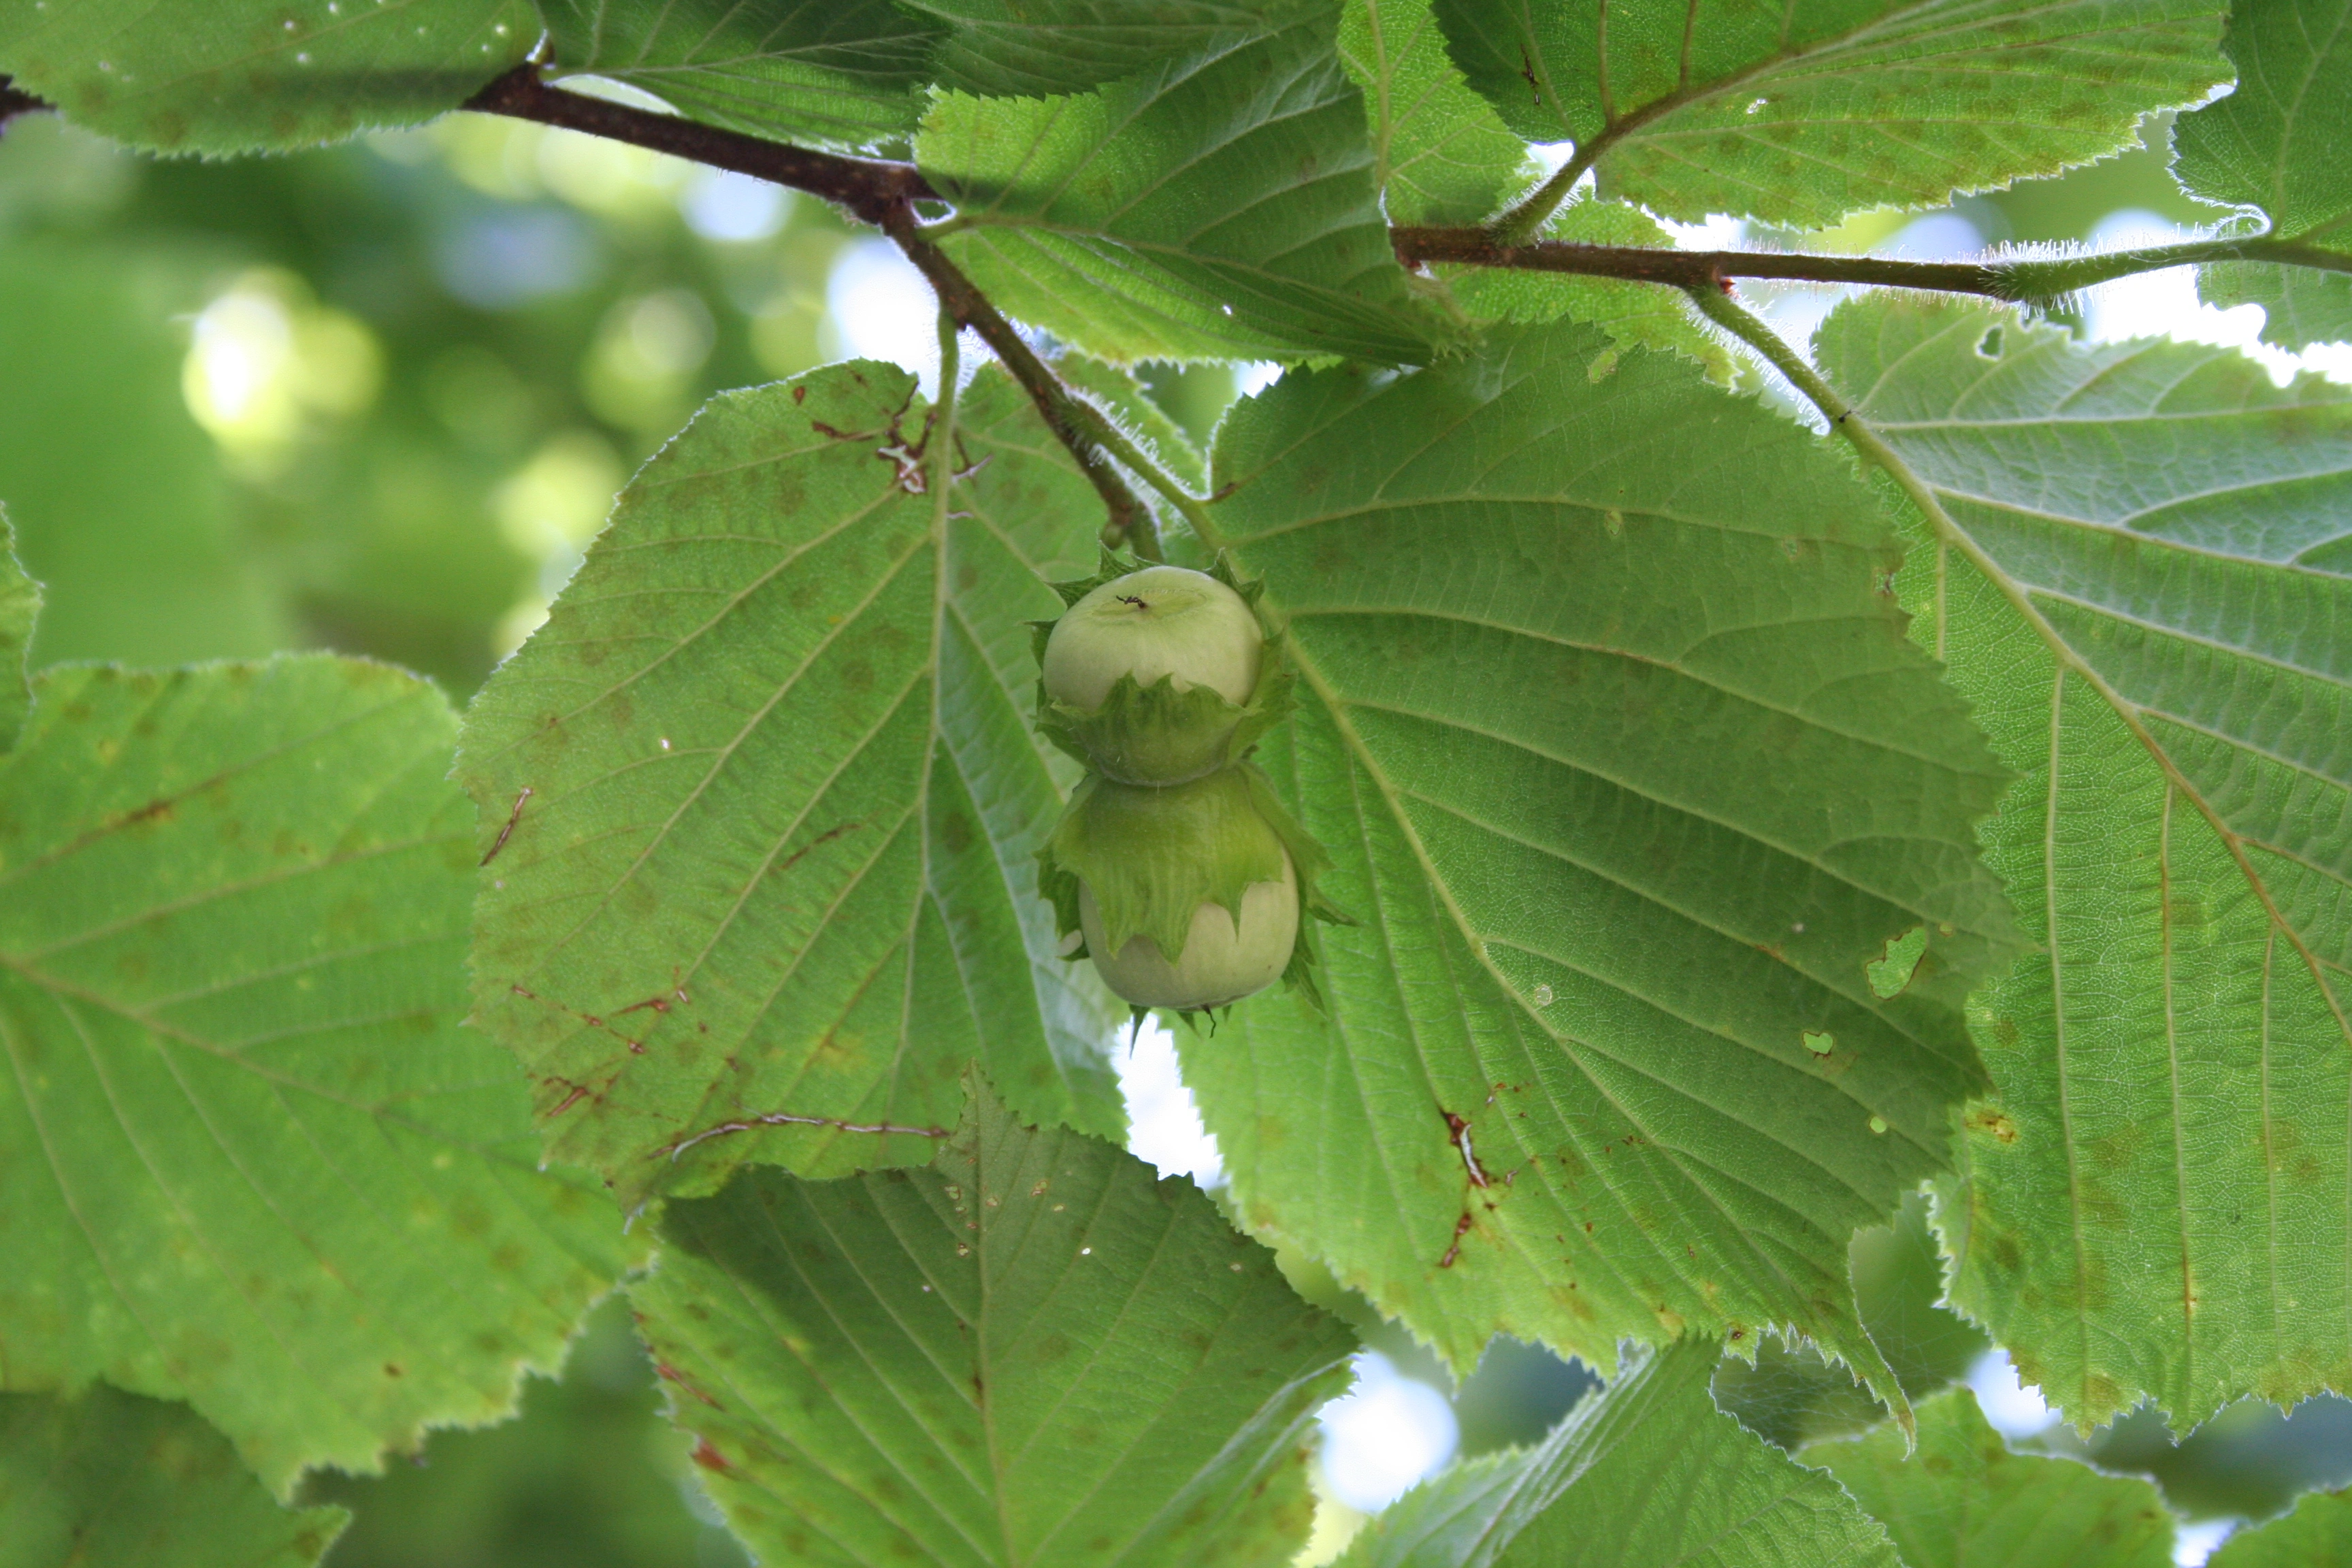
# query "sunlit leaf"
(107, 1479)
(242, 76)
(2161, 645)
(1033, 1353)
(1220, 205)
(1626, 787)
(1963, 1499)
(1441, 155)
(248, 1157)
(2281, 143)
(759, 803)
(1648, 1475)
(1803, 112)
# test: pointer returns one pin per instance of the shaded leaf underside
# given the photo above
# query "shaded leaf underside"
(1220, 205)
(1625, 790)
(1441, 155)
(759, 802)
(2318, 1531)
(1030, 1353)
(822, 72)
(1791, 1395)
(247, 1155)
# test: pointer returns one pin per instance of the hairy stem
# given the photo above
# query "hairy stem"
(1516, 226)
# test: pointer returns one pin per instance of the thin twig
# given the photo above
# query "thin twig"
(1074, 423)
(881, 194)
(869, 187)
(2013, 279)
(1682, 268)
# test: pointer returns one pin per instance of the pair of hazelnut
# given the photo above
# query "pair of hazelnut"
(1175, 863)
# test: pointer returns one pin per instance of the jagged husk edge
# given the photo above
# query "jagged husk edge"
(1160, 705)
(1153, 856)
(1135, 898)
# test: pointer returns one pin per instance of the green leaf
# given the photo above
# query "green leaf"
(851, 75)
(1791, 1394)
(1441, 156)
(833, 73)
(1630, 312)
(1647, 1475)
(245, 76)
(1963, 1499)
(1031, 1353)
(111, 1481)
(1626, 789)
(1038, 48)
(2318, 1531)
(246, 1156)
(760, 804)
(20, 605)
(2159, 638)
(1217, 206)
(2282, 145)
(1800, 113)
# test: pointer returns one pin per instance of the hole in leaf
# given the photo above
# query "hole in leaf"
(1819, 1042)
(1988, 346)
(1891, 970)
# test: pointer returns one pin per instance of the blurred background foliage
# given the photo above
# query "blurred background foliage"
(378, 398)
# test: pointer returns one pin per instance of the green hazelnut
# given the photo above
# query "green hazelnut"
(1163, 622)
(1226, 956)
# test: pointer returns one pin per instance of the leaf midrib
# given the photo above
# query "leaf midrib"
(1310, 671)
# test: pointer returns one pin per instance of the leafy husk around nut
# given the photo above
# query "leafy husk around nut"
(1151, 855)
(1157, 734)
